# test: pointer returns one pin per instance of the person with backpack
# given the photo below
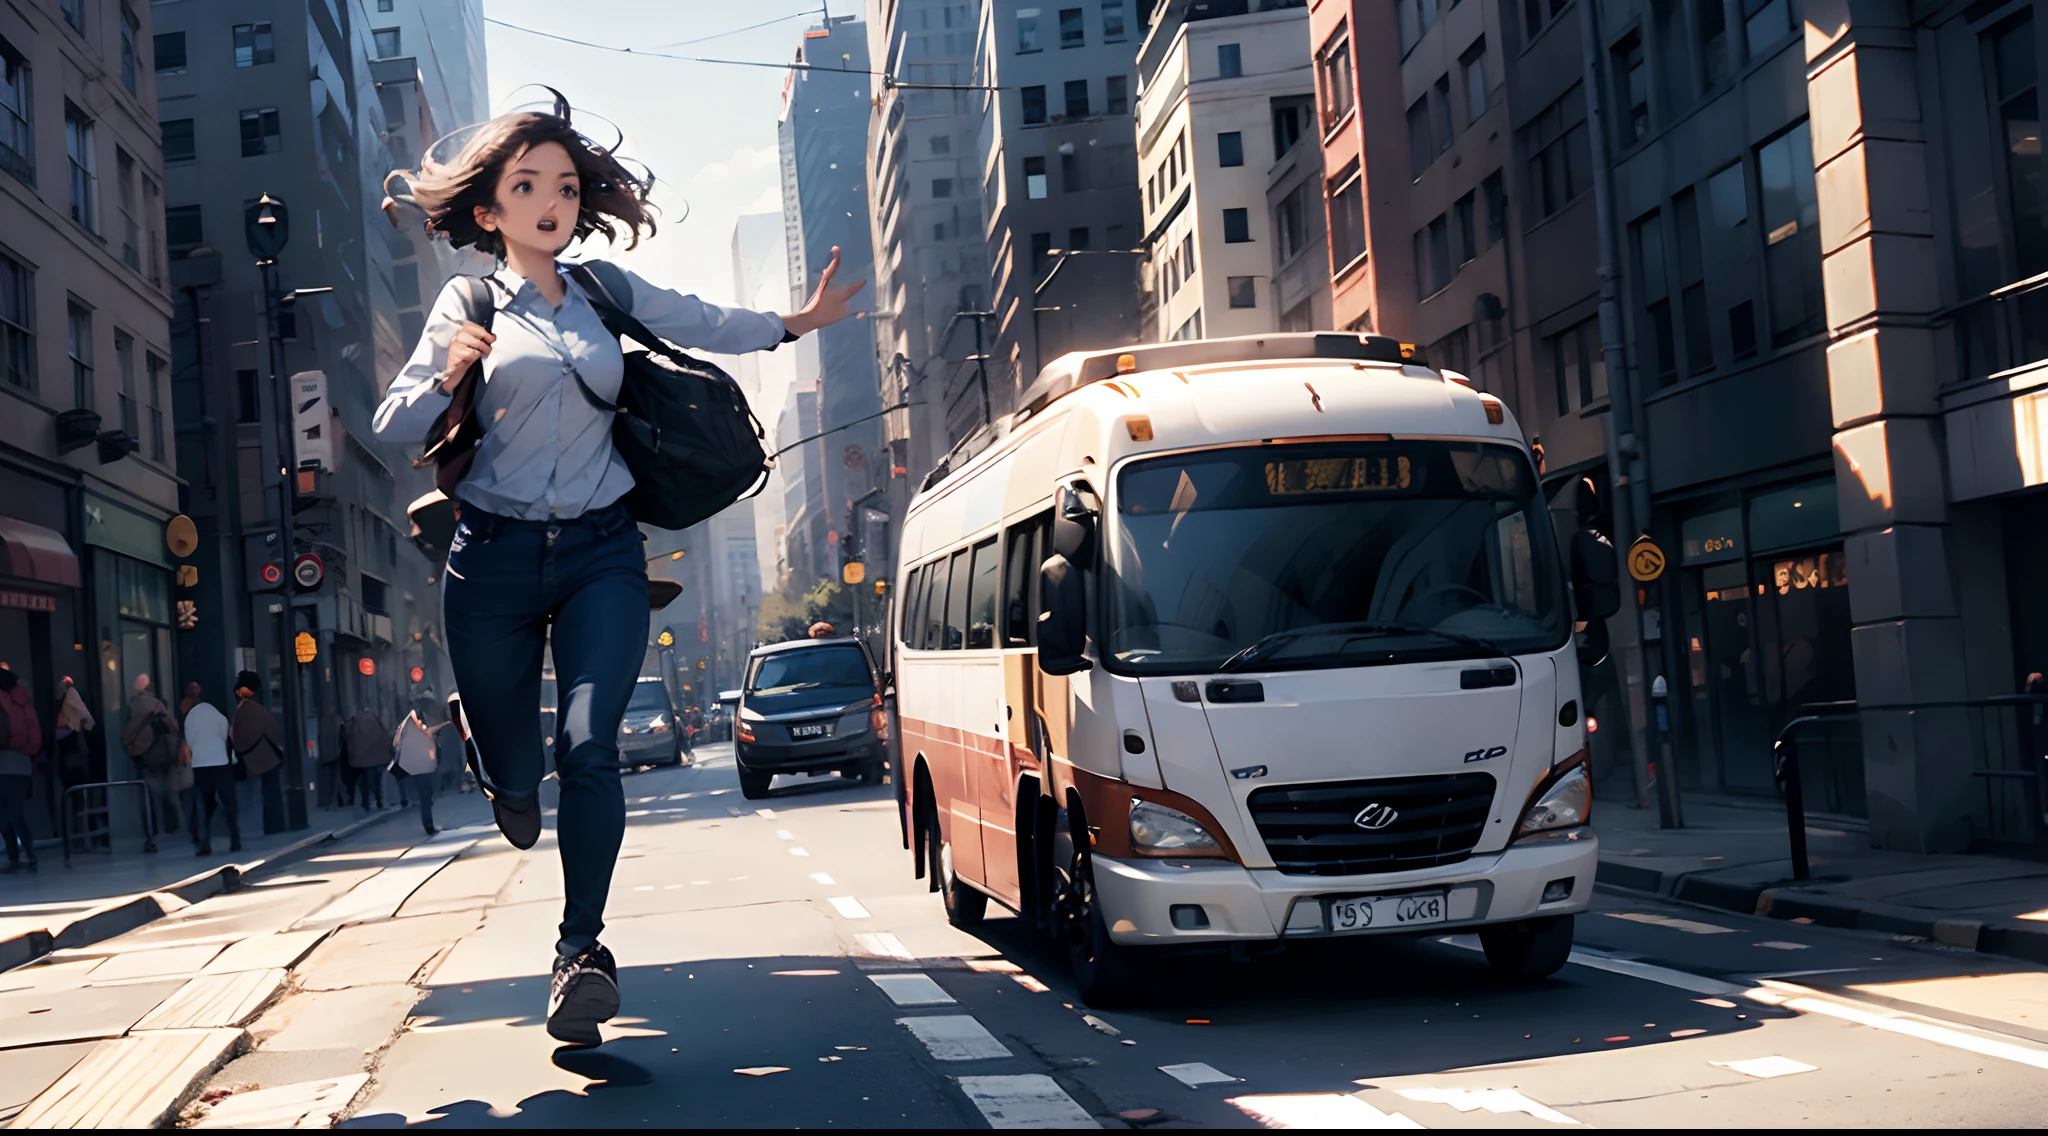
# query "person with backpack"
(74, 722)
(213, 772)
(151, 738)
(413, 761)
(254, 736)
(545, 551)
(368, 754)
(21, 739)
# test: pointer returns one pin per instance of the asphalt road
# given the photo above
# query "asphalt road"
(781, 968)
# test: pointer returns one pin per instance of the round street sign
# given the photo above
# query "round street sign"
(854, 572)
(308, 570)
(417, 674)
(181, 536)
(272, 573)
(1645, 560)
(367, 665)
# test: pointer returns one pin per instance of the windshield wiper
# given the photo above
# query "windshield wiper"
(1356, 629)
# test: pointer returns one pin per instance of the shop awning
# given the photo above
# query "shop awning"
(33, 552)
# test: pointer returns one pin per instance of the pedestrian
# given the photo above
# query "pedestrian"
(693, 723)
(449, 755)
(191, 699)
(544, 552)
(2033, 714)
(151, 739)
(334, 780)
(74, 721)
(21, 739)
(369, 754)
(254, 738)
(415, 762)
(213, 773)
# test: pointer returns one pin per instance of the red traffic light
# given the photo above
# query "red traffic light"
(367, 666)
(418, 674)
(272, 573)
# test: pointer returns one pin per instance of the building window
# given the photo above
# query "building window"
(1117, 89)
(1027, 29)
(1421, 151)
(1333, 77)
(1071, 179)
(1071, 34)
(125, 191)
(1791, 226)
(2015, 69)
(248, 396)
(74, 14)
(78, 148)
(254, 45)
(1078, 238)
(1229, 61)
(1230, 148)
(384, 5)
(1191, 329)
(180, 143)
(1290, 122)
(1439, 253)
(124, 372)
(1237, 226)
(1631, 88)
(259, 132)
(1187, 255)
(1656, 351)
(1579, 368)
(1443, 113)
(942, 187)
(1538, 14)
(1496, 193)
(153, 375)
(1764, 24)
(78, 341)
(1041, 252)
(1727, 249)
(1034, 178)
(1034, 106)
(17, 323)
(1242, 294)
(941, 144)
(387, 42)
(1473, 63)
(1560, 154)
(1415, 18)
(376, 593)
(1692, 293)
(17, 115)
(1347, 217)
(1077, 98)
(1711, 22)
(129, 30)
(1113, 21)
(170, 51)
(1468, 230)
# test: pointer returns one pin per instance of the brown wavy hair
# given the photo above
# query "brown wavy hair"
(449, 193)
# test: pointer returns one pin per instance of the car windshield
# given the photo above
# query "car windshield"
(811, 668)
(648, 698)
(1330, 554)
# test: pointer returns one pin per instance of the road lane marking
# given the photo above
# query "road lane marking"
(1689, 926)
(1925, 1031)
(993, 966)
(1698, 984)
(798, 852)
(822, 878)
(882, 944)
(1764, 1067)
(1317, 1110)
(1777, 945)
(1100, 1026)
(1025, 1100)
(848, 907)
(1195, 1074)
(769, 813)
(911, 989)
(955, 1037)
(784, 834)
(1496, 1101)
(1030, 983)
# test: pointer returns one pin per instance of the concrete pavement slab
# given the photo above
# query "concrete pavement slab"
(281, 949)
(380, 896)
(47, 975)
(473, 880)
(131, 1082)
(41, 1017)
(25, 1073)
(163, 962)
(217, 1000)
(390, 951)
(307, 1104)
(360, 1020)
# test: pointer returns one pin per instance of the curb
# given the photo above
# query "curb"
(120, 916)
(2002, 936)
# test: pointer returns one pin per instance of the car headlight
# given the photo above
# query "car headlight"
(1564, 800)
(659, 725)
(1156, 828)
(745, 730)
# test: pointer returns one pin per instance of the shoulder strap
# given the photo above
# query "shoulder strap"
(611, 294)
(479, 305)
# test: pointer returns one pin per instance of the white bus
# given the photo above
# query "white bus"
(1244, 641)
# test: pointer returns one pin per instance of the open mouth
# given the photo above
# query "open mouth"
(547, 225)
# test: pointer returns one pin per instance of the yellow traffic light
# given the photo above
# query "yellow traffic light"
(881, 587)
(666, 638)
(305, 646)
(854, 572)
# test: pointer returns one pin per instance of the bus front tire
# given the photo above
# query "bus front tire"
(1529, 950)
(964, 905)
(1106, 971)
(754, 786)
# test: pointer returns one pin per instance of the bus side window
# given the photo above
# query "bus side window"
(981, 598)
(1025, 549)
(935, 606)
(956, 602)
(909, 611)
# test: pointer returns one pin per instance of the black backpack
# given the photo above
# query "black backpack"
(682, 425)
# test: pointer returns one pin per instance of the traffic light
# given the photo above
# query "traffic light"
(263, 554)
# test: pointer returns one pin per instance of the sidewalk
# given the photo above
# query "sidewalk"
(102, 895)
(1738, 858)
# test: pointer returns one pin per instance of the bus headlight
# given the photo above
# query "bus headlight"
(1156, 828)
(1563, 800)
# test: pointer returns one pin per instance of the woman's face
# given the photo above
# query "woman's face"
(537, 200)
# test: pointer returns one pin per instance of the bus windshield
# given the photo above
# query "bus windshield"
(1330, 554)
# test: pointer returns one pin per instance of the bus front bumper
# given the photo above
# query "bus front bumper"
(1147, 901)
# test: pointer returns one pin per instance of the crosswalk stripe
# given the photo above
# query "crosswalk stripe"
(1317, 1110)
(1025, 1100)
(955, 1037)
(911, 989)
(848, 907)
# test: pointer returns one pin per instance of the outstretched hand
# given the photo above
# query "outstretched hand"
(827, 305)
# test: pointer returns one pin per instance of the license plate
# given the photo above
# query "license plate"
(1383, 911)
(820, 730)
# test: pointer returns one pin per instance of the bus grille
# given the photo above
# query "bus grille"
(1311, 830)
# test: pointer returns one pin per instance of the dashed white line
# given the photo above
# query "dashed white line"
(882, 944)
(1025, 1100)
(1689, 926)
(1779, 945)
(784, 834)
(1926, 1031)
(955, 1037)
(1762, 1067)
(1317, 1110)
(1194, 1074)
(769, 813)
(1496, 1101)
(821, 878)
(911, 989)
(798, 852)
(848, 907)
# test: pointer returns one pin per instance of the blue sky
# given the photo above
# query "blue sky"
(708, 132)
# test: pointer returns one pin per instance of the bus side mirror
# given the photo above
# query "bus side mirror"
(1596, 576)
(1063, 624)
(1592, 644)
(1073, 523)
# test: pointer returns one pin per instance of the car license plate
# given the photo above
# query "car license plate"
(817, 730)
(1385, 911)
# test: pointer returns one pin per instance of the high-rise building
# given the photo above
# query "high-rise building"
(1224, 90)
(823, 141)
(89, 454)
(760, 282)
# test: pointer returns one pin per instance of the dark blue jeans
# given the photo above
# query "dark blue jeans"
(512, 585)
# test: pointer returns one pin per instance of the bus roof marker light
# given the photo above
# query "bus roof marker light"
(1140, 427)
(1495, 413)
(1125, 364)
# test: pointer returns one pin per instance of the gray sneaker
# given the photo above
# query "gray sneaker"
(585, 991)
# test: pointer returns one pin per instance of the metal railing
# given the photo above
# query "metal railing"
(2004, 725)
(2000, 330)
(64, 813)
